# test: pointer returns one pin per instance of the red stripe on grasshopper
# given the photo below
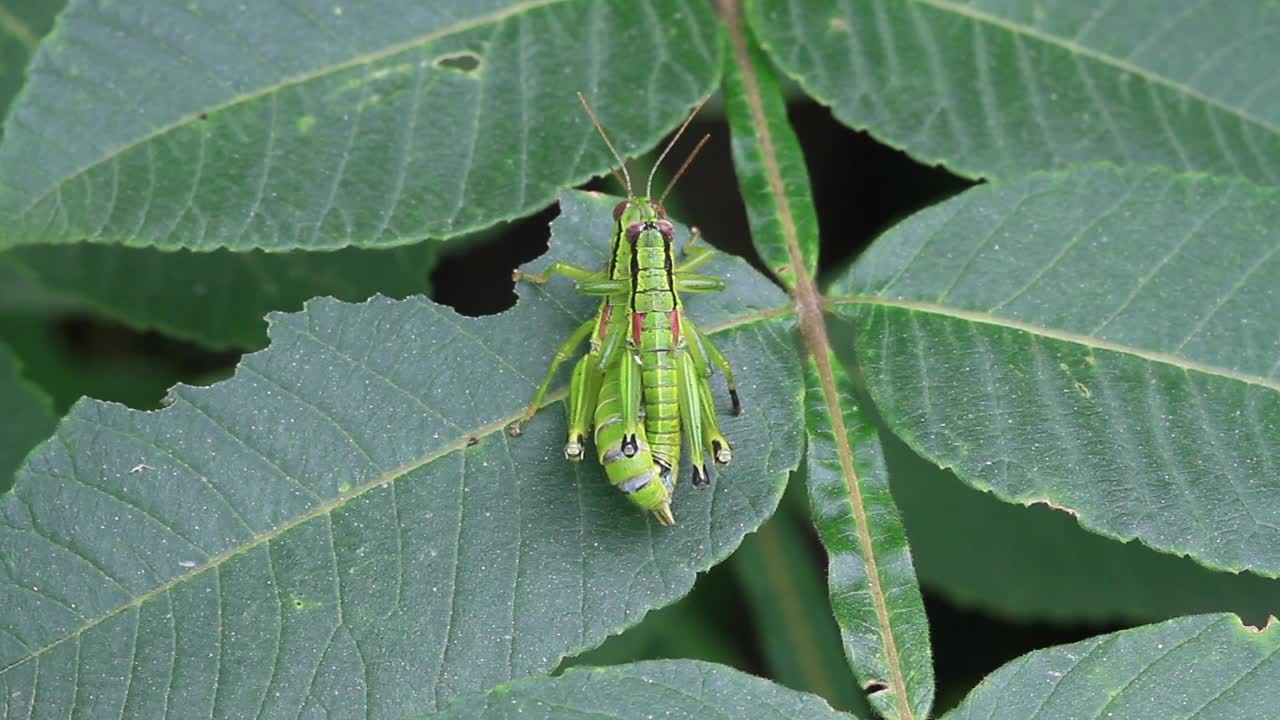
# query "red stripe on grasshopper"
(605, 313)
(674, 317)
(637, 322)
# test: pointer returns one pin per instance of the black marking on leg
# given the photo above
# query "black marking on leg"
(737, 404)
(700, 477)
(630, 446)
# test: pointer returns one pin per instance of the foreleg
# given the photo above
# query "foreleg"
(564, 352)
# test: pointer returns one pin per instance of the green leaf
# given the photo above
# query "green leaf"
(377, 123)
(873, 585)
(993, 88)
(217, 299)
(770, 167)
(1208, 667)
(1054, 570)
(786, 592)
(26, 419)
(1101, 340)
(668, 689)
(346, 525)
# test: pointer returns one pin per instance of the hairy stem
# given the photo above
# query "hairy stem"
(813, 329)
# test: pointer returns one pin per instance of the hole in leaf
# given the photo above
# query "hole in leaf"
(463, 62)
(474, 273)
(874, 686)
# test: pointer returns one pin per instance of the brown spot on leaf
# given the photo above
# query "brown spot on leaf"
(1053, 505)
(1271, 622)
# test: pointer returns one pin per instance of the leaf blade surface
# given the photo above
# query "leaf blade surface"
(1142, 399)
(1055, 571)
(378, 125)
(345, 524)
(995, 89)
(1140, 673)
(673, 688)
(875, 595)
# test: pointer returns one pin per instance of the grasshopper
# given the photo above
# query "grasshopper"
(644, 380)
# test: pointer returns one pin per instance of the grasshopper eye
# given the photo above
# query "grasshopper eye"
(667, 229)
(619, 209)
(658, 209)
(633, 231)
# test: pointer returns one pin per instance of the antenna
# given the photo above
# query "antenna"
(648, 187)
(626, 177)
(684, 166)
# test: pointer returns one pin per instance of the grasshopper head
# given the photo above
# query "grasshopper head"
(637, 214)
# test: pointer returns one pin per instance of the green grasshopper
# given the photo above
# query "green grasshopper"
(645, 377)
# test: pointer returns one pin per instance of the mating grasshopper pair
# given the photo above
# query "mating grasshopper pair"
(644, 380)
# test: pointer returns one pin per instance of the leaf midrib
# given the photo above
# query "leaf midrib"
(1084, 51)
(338, 501)
(354, 61)
(810, 304)
(1089, 341)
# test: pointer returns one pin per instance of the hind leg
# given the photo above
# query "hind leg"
(713, 353)
(716, 443)
(687, 381)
